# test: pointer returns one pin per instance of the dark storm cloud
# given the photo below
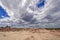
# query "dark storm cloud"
(27, 17)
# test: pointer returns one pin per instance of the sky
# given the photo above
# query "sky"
(41, 3)
(3, 13)
(35, 13)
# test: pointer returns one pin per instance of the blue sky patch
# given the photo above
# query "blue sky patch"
(3, 13)
(41, 3)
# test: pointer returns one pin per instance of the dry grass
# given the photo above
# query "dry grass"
(29, 34)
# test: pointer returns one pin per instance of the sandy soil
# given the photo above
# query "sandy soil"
(40, 34)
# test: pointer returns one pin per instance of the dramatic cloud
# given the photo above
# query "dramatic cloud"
(35, 13)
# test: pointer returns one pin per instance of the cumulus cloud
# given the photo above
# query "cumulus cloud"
(28, 14)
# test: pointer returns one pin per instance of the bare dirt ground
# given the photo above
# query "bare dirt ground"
(32, 34)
